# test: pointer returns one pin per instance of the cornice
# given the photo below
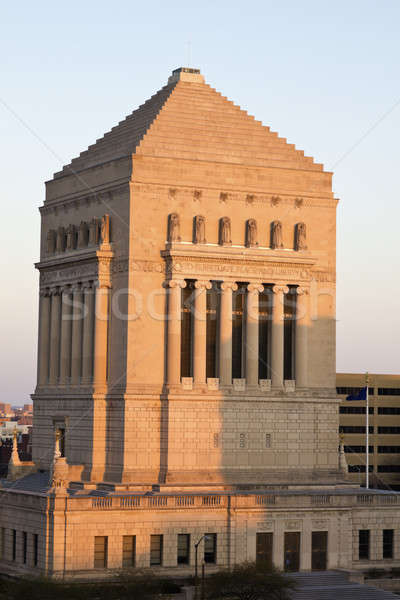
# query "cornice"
(93, 195)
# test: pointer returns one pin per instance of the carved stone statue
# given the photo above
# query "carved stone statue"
(51, 241)
(276, 235)
(71, 241)
(199, 229)
(174, 228)
(225, 231)
(82, 235)
(60, 241)
(251, 233)
(93, 232)
(105, 229)
(300, 242)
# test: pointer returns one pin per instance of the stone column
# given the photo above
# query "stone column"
(277, 336)
(200, 331)
(88, 335)
(55, 336)
(225, 333)
(77, 318)
(44, 337)
(65, 346)
(174, 331)
(253, 290)
(301, 336)
(101, 319)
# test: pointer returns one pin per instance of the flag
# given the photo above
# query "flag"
(362, 395)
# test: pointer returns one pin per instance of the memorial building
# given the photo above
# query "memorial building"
(186, 382)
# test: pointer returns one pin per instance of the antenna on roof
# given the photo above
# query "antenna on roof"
(189, 53)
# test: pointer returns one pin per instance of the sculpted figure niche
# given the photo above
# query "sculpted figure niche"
(276, 235)
(51, 241)
(225, 231)
(300, 241)
(174, 228)
(251, 233)
(199, 230)
(82, 235)
(105, 229)
(60, 241)
(93, 232)
(70, 237)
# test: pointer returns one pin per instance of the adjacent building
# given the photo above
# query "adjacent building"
(384, 428)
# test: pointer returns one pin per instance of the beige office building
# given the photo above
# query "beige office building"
(187, 358)
(383, 424)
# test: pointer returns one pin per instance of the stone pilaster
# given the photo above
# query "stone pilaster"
(277, 336)
(174, 331)
(55, 325)
(88, 335)
(301, 337)
(200, 331)
(102, 317)
(66, 336)
(77, 317)
(225, 337)
(252, 334)
(44, 337)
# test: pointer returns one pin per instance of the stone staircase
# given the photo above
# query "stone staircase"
(334, 585)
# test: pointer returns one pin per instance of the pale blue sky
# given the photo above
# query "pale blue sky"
(321, 74)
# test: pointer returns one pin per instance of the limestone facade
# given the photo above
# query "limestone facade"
(187, 351)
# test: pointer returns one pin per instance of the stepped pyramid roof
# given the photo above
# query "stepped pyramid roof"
(188, 119)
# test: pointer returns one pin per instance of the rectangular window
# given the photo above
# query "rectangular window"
(289, 308)
(358, 449)
(265, 301)
(187, 323)
(361, 468)
(363, 544)
(183, 548)
(24, 546)
(356, 429)
(156, 550)
(388, 449)
(100, 551)
(387, 543)
(212, 311)
(347, 391)
(389, 430)
(238, 304)
(388, 391)
(14, 544)
(355, 410)
(268, 440)
(388, 468)
(389, 410)
(210, 548)
(128, 551)
(35, 549)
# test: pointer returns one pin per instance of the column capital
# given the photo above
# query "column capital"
(56, 291)
(76, 288)
(173, 283)
(229, 285)
(255, 287)
(87, 287)
(280, 289)
(302, 291)
(203, 285)
(45, 293)
(66, 289)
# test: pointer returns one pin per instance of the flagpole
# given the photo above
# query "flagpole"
(367, 434)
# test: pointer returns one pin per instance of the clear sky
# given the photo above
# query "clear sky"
(323, 74)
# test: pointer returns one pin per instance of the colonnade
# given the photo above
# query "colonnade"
(73, 323)
(225, 333)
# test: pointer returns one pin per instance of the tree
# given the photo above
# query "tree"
(248, 582)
